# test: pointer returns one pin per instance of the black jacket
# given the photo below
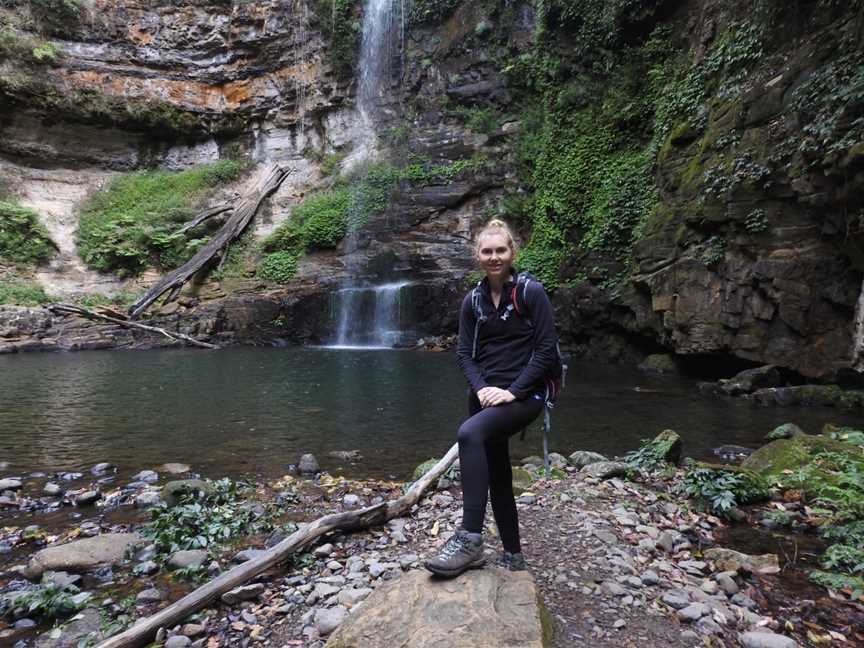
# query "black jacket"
(511, 353)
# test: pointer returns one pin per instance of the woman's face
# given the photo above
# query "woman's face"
(494, 255)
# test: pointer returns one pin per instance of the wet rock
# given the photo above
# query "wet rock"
(661, 363)
(733, 561)
(192, 629)
(650, 577)
(727, 583)
(147, 476)
(308, 465)
(766, 640)
(345, 455)
(61, 580)
(557, 460)
(420, 611)
(732, 452)
(175, 468)
(84, 624)
(71, 476)
(323, 550)
(52, 489)
(88, 497)
(582, 458)
(744, 601)
(174, 490)
(148, 499)
(147, 568)
(351, 501)
(785, 431)
(81, 555)
(151, 595)
(605, 469)
(247, 554)
(177, 641)
(352, 596)
(187, 558)
(24, 624)
(750, 380)
(243, 593)
(10, 484)
(102, 468)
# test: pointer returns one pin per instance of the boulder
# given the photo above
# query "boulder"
(522, 480)
(772, 461)
(667, 446)
(88, 497)
(81, 555)
(9, 484)
(175, 468)
(785, 431)
(82, 629)
(582, 458)
(173, 490)
(308, 465)
(605, 469)
(750, 380)
(661, 363)
(480, 609)
(557, 460)
(102, 468)
(729, 560)
(243, 593)
(187, 558)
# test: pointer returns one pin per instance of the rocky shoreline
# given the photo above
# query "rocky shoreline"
(618, 556)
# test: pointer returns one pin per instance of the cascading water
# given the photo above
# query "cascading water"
(369, 316)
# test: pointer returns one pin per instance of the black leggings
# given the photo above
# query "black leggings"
(484, 460)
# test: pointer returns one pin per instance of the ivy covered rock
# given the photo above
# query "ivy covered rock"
(173, 490)
(808, 463)
(785, 431)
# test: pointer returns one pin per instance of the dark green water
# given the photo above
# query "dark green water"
(253, 411)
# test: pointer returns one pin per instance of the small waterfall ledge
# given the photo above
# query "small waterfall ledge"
(369, 317)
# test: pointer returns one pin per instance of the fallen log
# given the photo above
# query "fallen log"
(70, 309)
(244, 211)
(145, 629)
(204, 216)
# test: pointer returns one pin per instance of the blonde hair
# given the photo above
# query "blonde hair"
(496, 226)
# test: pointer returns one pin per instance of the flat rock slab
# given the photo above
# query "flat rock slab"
(81, 555)
(488, 608)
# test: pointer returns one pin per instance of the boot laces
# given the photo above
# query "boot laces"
(454, 545)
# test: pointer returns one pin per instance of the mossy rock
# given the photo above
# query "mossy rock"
(173, 490)
(842, 433)
(423, 468)
(522, 480)
(773, 460)
(785, 431)
(659, 363)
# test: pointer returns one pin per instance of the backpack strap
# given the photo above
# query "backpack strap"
(479, 317)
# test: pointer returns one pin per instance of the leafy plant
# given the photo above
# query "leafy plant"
(134, 223)
(48, 600)
(756, 221)
(206, 522)
(431, 11)
(22, 293)
(723, 490)
(23, 239)
(338, 22)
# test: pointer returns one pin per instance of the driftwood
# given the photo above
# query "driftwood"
(145, 629)
(70, 309)
(204, 216)
(245, 210)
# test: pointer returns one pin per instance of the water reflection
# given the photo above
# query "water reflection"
(253, 411)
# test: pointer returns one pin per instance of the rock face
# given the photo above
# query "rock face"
(486, 608)
(81, 555)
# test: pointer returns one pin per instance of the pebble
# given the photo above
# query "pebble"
(766, 640)
(177, 641)
(611, 588)
(620, 623)
(323, 551)
(727, 583)
(408, 559)
(88, 497)
(693, 612)
(243, 593)
(744, 601)
(650, 577)
(151, 595)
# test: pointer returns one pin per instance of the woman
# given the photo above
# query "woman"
(506, 355)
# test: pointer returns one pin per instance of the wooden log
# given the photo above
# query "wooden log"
(70, 309)
(204, 216)
(145, 629)
(245, 210)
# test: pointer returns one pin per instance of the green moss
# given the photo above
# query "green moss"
(132, 225)
(23, 239)
(431, 11)
(338, 20)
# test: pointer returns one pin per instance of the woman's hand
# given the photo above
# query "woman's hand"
(491, 396)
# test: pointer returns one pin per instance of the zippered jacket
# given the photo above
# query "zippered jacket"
(513, 352)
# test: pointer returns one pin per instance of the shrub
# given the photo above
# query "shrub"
(721, 490)
(279, 267)
(23, 239)
(21, 293)
(46, 600)
(133, 224)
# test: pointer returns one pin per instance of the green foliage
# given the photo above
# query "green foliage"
(714, 251)
(120, 299)
(756, 221)
(133, 224)
(330, 163)
(431, 11)
(23, 239)
(54, 15)
(648, 456)
(204, 523)
(47, 600)
(839, 582)
(723, 490)
(46, 52)
(479, 119)
(321, 221)
(338, 22)
(23, 293)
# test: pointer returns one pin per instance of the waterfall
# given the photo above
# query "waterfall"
(858, 333)
(370, 316)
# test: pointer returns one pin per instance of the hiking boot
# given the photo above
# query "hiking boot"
(512, 561)
(461, 552)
